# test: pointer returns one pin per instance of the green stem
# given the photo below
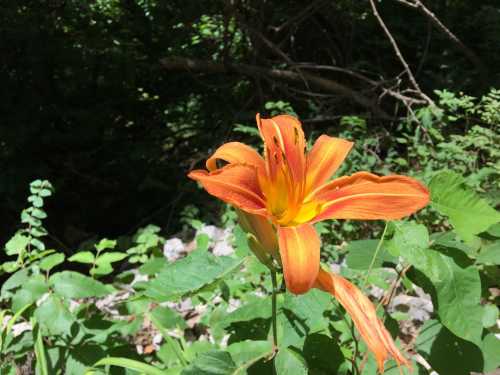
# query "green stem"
(275, 290)
(379, 245)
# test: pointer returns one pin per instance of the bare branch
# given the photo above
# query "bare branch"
(420, 7)
(328, 85)
(398, 53)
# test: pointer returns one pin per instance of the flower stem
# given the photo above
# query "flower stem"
(379, 245)
(274, 325)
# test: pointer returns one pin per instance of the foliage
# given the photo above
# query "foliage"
(69, 330)
(90, 104)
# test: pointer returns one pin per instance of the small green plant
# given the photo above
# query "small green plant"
(100, 262)
(27, 244)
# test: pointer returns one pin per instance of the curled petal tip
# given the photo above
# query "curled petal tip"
(364, 316)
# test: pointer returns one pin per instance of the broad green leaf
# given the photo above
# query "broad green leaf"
(246, 353)
(494, 230)
(469, 214)
(82, 257)
(458, 290)
(289, 362)
(131, 364)
(32, 290)
(190, 274)
(15, 280)
(360, 254)
(449, 240)
(75, 285)
(491, 352)
(153, 266)
(214, 362)
(259, 308)
(447, 353)
(322, 354)
(309, 308)
(49, 262)
(111, 257)
(168, 318)
(53, 315)
(490, 254)
(408, 236)
(81, 357)
(17, 244)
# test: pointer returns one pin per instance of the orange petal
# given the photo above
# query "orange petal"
(324, 159)
(364, 316)
(299, 250)
(366, 196)
(284, 143)
(235, 184)
(236, 153)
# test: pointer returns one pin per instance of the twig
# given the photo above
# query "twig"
(420, 7)
(398, 53)
(328, 85)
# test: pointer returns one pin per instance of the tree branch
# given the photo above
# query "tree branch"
(398, 53)
(420, 7)
(328, 85)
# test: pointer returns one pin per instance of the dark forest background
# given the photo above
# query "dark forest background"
(114, 101)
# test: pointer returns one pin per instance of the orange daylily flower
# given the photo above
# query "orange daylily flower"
(287, 191)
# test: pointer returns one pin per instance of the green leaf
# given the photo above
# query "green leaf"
(82, 257)
(54, 316)
(15, 280)
(47, 263)
(153, 266)
(309, 308)
(102, 269)
(360, 254)
(246, 353)
(105, 244)
(75, 285)
(458, 294)
(490, 315)
(259, 308)
(38, 244)
(322, 354)
(408, 236)
(111, 257)
(491, 352)
(38, 213)
(494, 230)
(289, 362)
(45, 193)
(17, 244)
(458, 290)
(130, 364)
(469, 214)
(168, 318)
(35, 200)
(31, 290)
(490, 254)
(190, 274)
(438, 346)
(214, 362)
